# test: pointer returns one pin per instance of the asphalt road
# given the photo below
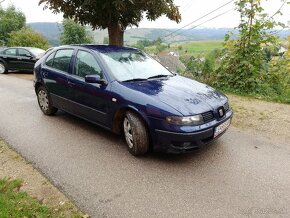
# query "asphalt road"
(241, 175)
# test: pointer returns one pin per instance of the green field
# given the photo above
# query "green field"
(197, 47)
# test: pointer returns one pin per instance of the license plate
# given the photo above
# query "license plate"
(221, 128)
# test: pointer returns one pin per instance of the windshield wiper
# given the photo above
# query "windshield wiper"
(135, 80)
(158, 76)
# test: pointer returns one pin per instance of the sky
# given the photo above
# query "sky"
(190, 11)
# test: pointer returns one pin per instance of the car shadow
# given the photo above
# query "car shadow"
(119, 144)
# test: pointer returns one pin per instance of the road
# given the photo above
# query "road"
(240, 175)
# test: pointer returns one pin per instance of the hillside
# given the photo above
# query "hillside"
(52, 31)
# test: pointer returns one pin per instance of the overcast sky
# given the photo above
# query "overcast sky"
(190, 11)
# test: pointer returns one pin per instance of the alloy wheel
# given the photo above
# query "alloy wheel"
(43, 100)
(2, 68)
(128, 132)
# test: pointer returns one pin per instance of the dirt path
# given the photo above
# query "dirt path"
(271, 120)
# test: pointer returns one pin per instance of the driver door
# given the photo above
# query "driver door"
(90, 99)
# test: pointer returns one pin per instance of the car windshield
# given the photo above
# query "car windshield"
(134, 65)
(36, 51)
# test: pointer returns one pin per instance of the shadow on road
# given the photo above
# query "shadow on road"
(117, 143)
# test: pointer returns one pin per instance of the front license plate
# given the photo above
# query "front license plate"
(221, 128)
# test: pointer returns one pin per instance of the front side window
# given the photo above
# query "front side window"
(11, 52)
(24, 53)
(62, 59)
(86, 64)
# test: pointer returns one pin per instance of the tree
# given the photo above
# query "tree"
(10, 20)
(116, 15)
(26, 37)
(74, 33)
(244, 64)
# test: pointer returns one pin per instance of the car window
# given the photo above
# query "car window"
(49, 60)
(130, 65)
(11, 52)
(62, 59)
(86, 64)
(23, 52)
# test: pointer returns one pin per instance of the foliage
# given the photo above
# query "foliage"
(11, 19)
(74, 33)
(116, 15)
(204, 68)
(26, 37)
(249, 63)
(244, 65)
(157, 44)
(279, 75)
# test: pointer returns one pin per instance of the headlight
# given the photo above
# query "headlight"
(187, 121)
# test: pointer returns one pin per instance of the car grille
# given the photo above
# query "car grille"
(226, 106)
(207, 116)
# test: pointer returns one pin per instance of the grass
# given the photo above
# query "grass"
(197, 47)
(15, 203)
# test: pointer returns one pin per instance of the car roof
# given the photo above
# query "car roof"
(20, 47)
(103, 48)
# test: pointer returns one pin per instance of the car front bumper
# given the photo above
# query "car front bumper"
(175, 142)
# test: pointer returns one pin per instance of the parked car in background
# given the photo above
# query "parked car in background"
(19, 58)
(126, 91)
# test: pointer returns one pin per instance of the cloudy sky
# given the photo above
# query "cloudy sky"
(190, 11)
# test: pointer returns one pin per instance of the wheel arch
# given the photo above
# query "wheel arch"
(119, 117)
(37, 85)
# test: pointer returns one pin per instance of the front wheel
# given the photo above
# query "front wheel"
(3, 68)
(45, 102)
(136, 134)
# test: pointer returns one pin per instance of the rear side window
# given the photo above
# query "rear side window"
(60, 60)
(11, 52)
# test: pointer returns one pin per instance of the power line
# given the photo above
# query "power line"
(199, 18)
(219, 15)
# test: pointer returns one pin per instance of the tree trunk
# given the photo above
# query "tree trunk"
(116, 34)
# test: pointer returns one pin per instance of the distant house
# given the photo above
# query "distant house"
(170, 61)
(282, 50)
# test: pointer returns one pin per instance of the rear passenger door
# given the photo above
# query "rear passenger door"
(54, 73)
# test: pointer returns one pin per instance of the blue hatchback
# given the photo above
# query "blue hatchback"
(126, 91)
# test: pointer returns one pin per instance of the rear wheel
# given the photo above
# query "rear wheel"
(45, 102)
(136, 134)
(3, 68)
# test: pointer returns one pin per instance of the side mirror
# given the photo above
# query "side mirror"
(95, 79)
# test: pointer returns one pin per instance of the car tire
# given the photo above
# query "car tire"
(44, 101)
(136, 134)
(3, 68)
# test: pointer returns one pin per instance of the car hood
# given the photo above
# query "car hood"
(187, 96)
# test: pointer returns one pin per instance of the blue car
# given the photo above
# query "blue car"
(126, 91)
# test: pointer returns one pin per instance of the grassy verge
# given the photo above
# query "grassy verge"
(16, 203)
(24, 192)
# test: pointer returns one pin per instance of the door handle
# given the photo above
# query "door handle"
(19, 58)
(71, 84)
(44, 74)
